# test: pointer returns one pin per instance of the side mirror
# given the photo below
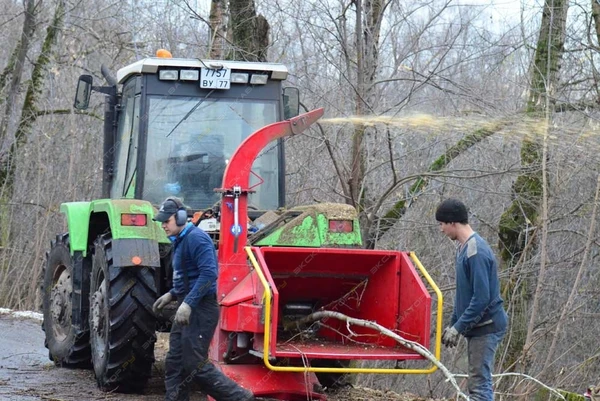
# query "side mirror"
(84, 90)
(291, 102)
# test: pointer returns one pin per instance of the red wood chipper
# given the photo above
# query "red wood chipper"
(304, 261)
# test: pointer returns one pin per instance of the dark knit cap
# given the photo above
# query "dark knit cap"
(452, 211)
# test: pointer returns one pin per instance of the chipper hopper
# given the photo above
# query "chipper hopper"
(280, 288)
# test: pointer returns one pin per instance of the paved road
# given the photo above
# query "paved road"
(26, 373)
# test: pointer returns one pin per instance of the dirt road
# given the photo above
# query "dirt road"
(26, 373)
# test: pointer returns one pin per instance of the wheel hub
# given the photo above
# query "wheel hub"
(60, 307)
(98, 329)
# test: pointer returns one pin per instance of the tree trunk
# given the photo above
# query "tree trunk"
(596, 18)
(29, 111)
(217, 29)
(357, 169)
(14, 72)
(523, 214)
(249, 32)
(369, 14)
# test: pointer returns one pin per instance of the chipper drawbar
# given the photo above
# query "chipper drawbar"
(270, 291)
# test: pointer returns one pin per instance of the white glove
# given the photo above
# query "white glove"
(182, 317)
(162, 302)
(450, 337)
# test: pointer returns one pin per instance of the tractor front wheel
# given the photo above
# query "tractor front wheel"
(68, 346)
(122, 326)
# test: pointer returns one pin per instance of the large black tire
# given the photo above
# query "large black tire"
(122, 325)
(67, 345)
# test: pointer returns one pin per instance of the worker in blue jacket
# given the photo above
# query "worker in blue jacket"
(195, 286)
(478, 312)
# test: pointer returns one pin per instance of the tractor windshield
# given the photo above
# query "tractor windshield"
(190, 141)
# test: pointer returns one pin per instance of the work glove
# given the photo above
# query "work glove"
(182, 317)
(450, 337)
(162, 302)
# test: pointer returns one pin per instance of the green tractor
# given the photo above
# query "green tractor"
(170, 126)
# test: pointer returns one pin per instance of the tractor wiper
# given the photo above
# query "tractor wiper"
(188, 158)
(189, 113)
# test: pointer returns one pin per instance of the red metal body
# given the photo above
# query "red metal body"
(235, 283)
(232, 258)
(380, 286)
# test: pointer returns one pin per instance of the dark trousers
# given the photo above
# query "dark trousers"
(481, 352)
(187, 359)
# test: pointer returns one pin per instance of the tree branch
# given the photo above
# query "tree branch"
(580, 106)
(40, 113)
(414, 346)
(501, 375)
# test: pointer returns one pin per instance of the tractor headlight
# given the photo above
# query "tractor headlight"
(168, 75)
(188, 75)
(259, 79)
(239, 78)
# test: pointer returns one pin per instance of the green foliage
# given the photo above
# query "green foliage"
(545, 395)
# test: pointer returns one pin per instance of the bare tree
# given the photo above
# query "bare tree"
(528, 213)
(13, 72)
(249, 32)
(217, 28)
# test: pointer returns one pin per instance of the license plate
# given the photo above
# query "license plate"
(215, 78)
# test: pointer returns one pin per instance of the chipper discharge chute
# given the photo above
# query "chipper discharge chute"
(309, 260)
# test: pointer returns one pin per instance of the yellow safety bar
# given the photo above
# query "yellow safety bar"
(269, 296)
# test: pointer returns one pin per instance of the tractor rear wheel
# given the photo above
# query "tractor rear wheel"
(68, 346)
(122, 326)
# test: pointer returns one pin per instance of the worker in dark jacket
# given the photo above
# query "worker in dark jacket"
(195, 286)
(478, 311)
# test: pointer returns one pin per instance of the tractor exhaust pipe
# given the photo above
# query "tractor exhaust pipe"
(108, 76)
(110, 126)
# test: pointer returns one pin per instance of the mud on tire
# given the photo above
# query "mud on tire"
(67, 345)
(122, 326)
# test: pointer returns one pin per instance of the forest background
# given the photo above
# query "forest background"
(449, 99)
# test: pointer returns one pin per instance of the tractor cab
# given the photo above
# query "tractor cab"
(175, 123)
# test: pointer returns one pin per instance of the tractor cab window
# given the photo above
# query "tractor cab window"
(190, 141)
(123, 184)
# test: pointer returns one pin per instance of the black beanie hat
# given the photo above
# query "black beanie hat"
(452, 211)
